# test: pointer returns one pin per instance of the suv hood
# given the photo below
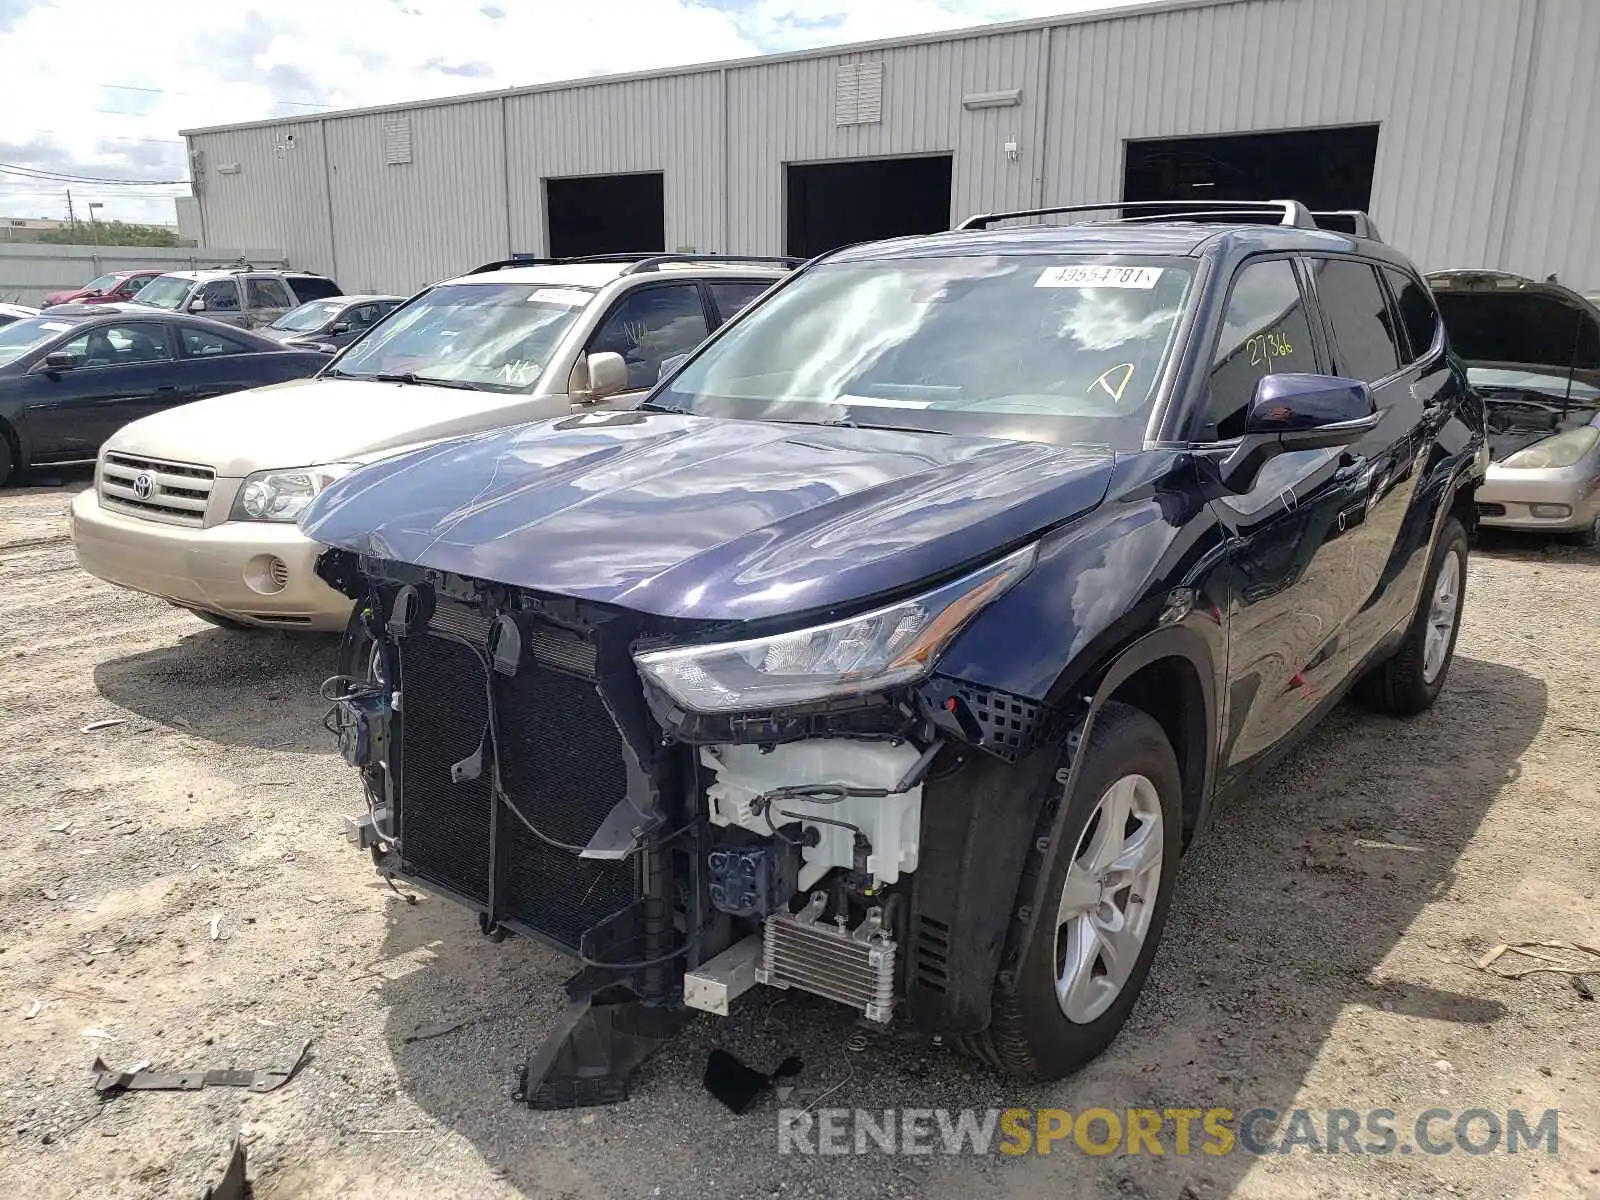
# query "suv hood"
(307, 422)
(698, 518)
(1500, 320)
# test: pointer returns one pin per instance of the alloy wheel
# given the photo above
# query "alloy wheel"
(1444, 610)
(1108, 898)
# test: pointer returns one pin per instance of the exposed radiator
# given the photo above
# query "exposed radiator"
(561, 766)
(444, 825)
(854, 967)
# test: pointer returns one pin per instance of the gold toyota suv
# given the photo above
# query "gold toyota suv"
(197, 505)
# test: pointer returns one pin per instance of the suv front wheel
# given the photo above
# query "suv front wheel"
(1109, 882)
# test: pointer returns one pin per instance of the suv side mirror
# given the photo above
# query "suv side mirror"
(341, 327)
(1299, 412)
(60, 362)
(608, 374)
(197, 305)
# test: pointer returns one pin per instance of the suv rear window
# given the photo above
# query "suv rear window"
(1417, 313)
(1367, 345)
(733, 296)
(311, 287)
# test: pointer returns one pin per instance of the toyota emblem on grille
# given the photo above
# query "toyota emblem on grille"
(143, 485)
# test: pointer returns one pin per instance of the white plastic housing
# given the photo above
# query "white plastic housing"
(892, 824)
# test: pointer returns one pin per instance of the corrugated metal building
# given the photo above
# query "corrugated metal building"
(1474, 123)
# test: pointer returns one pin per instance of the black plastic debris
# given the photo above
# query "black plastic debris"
(738, 1085)
(234, 1185)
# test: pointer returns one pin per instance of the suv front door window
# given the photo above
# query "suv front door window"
(651, 324)
(220, 296)
(1265, 331)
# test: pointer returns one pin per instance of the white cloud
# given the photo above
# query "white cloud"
(99, 88)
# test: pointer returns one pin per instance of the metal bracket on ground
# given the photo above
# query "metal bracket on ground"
(109, 1082)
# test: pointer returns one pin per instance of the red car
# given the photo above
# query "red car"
(108, 289)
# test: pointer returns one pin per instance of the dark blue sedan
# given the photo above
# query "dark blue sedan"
(73, 376)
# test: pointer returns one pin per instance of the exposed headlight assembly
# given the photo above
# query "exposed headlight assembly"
(887, 647)
(1560, 450)
(283, 495)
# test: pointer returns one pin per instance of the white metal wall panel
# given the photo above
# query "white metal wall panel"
(1488, 151)
(671, 124)
(1552, 226)
(784, 113)
(277, 197)
(1436, 75)
(400, 226)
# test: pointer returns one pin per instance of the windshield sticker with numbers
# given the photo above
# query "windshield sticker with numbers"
(1091, 275)
(571, 297)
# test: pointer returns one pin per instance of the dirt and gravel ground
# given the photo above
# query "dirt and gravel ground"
(176, 890)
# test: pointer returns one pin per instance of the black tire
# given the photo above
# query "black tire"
(8, 457)
(1399, 685)
(355, 647)
(1029, 1033)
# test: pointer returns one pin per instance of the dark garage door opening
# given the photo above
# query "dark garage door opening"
(837, 204)
(606, 214)
(1325, 168)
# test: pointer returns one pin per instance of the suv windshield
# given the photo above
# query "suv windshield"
(103, 284)
(1037, 347)
(308, 316)
(164, 291)
(495, 336)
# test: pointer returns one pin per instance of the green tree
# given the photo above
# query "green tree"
(110, 233)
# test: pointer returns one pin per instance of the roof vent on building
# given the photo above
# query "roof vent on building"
(397, 141)
(858, 94)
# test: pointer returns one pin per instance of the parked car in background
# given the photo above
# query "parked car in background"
(16, 312)
(508, 343)
(239, 296)
(114, 288)
(330, 325)
(70, 377)
(1532, 349)
(896, 645)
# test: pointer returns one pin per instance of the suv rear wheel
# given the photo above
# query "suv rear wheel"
(1109, 882)
(1411, 679)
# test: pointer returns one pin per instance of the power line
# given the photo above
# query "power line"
(128, 87)
(25, 172)
(117, 137)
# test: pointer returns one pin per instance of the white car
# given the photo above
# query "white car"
(197, 504)
(16, 312)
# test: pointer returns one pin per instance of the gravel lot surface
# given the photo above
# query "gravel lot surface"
(176, 891)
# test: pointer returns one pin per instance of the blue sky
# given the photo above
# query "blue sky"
(100, 88)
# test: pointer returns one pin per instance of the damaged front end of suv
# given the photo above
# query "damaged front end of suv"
(688, 802)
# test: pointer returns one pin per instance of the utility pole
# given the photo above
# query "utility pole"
(72, 219)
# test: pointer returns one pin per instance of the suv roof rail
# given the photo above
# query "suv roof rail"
(1348, 220)
(655, 261)
(636, 261)
(1288, 212)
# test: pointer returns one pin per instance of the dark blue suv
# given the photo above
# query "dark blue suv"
(895, 648)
